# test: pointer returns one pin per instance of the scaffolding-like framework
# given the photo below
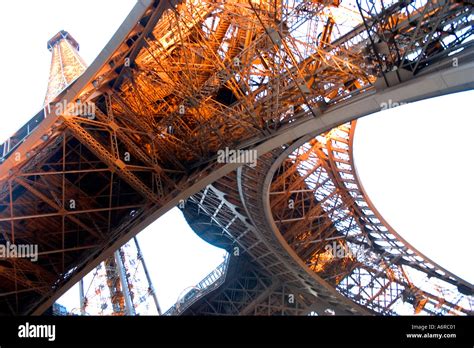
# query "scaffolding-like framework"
(189, 78)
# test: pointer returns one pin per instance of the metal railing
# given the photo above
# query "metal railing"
(9, 146)
(211, 282)
(15, 140)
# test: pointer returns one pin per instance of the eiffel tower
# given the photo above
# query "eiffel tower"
(120, 285)
(144, 127)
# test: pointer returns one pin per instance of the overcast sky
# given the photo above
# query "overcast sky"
(415, 161)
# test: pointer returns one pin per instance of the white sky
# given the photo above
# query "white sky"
(415, 160)
(416, 163)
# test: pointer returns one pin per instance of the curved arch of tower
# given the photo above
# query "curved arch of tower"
(244, 111)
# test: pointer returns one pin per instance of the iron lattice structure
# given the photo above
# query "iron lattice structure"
(120, 285)
(182, 80)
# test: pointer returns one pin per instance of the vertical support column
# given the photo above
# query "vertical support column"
(129, 309)
(150, 283)
(82, 298)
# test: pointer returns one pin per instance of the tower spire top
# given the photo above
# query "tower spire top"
(66, 63)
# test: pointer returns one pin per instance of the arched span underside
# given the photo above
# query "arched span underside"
(286, 211)
(317, 208)
(182, 80)
(222, 215)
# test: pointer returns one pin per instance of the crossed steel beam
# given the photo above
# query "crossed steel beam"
(182, 80)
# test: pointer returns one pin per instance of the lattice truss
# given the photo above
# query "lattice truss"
(219, 215)
(103, 287)
(214, 74)
(252, 291)
(317, 201)
(207, 285)
(191, 78)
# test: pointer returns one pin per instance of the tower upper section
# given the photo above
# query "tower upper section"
(66, 63)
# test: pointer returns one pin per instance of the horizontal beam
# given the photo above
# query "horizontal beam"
(69, 212)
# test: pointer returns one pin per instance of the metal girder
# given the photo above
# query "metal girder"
(61, 210)
(116, 164)
(250, 291)
(286, 83)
